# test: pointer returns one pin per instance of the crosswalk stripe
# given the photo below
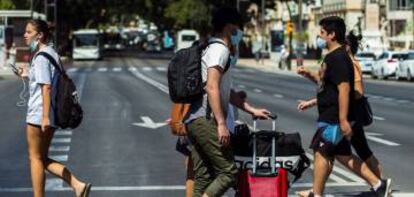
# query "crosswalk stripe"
(72, 70)
(117, 69)
(146, 68)
(61, 140)
(60, 132)
(102, 69)
(161, 68)
(61, 158)
(59, 148)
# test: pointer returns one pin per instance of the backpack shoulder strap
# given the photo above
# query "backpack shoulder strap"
(227, 66)
(52, 61)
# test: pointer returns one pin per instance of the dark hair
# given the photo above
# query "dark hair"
(41, 26)
(224, 16)
(334, 24)
(353, 41)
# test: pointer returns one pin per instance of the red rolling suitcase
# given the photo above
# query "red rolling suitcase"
(263, 183)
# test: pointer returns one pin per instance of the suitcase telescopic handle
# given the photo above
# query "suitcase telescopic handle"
(273, 158)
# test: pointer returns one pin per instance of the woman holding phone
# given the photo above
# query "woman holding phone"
(40, 117)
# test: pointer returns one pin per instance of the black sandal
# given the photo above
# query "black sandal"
(85, 192)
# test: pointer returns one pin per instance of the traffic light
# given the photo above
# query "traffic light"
(289, 27)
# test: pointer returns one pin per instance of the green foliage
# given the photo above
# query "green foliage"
(7, 5)
(188, 14)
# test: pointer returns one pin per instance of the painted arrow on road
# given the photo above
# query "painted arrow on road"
(148, 123)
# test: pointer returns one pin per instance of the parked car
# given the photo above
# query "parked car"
(366, 60)
(387, 64)
(406, 67)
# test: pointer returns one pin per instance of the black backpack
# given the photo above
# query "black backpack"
(185, 83)
(64, 97)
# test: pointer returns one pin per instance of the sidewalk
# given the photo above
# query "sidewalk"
(271, 66)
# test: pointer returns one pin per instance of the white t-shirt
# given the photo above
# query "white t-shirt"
(41, 72)
(214, 55)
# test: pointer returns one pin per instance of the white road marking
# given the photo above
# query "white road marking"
(103, 69)
(61, 158)
(53, 183)
(388, 99)
(378, 118)
(403, 101)
(241, 86)
(71, 70)
(148, 123)
(348, 184)
(278, 95)
(374, 134)
(131, 68)
(402, 194)
(162, 68)
(117, 69)
(257, 90)
(382, 141)
(61, 140)
(59, 148)
(146, 68)
(151, 81)
(82, 81)
(60, 132)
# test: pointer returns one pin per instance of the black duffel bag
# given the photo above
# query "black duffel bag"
(287, 144)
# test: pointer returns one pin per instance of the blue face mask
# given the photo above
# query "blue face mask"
(233, 60)
(33, 45)
(236, 37)
(320, 43)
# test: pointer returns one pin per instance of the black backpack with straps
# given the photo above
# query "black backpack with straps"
(65, 100)
(185, 82)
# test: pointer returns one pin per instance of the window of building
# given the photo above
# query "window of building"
(400, 5)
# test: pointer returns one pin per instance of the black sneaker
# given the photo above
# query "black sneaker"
(384, 189)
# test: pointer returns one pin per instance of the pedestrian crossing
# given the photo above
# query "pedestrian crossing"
(161, 68)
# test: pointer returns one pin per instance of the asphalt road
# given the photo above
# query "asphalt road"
(124, 148)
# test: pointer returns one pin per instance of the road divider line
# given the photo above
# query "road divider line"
(379, 118)
(151, 81)
(241, 86)
(382, 141)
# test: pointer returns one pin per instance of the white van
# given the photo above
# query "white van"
(185, 38)
(87, 44)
